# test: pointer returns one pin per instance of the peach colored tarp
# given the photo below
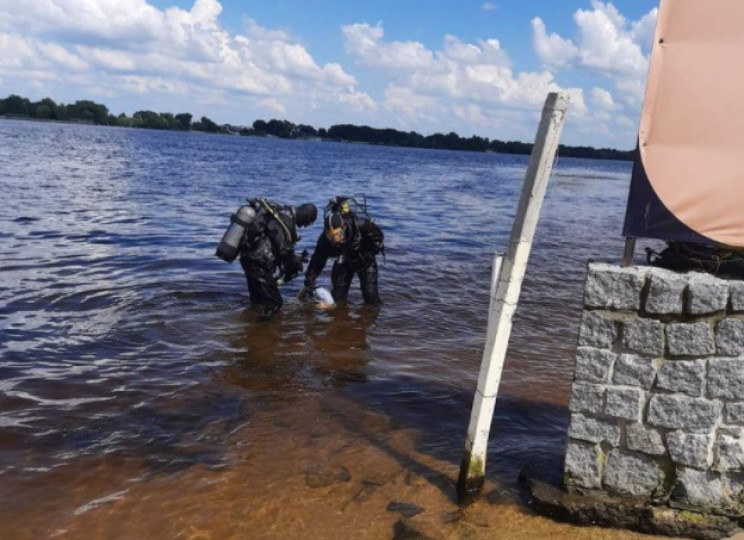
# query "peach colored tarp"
(692, 128)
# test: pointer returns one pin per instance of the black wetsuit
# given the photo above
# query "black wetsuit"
(356, 255)
(265, 248)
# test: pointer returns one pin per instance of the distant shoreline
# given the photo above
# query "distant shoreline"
(562, 152)
(91, 113)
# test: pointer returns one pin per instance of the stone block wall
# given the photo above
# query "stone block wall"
(657, 401)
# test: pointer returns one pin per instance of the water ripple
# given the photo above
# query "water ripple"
(119, 327)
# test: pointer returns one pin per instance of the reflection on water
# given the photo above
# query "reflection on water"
(131, 368)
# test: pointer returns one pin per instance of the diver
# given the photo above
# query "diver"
(267, 236)
(354, 241)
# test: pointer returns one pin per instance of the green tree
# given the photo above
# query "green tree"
(17, 105)
(44, 109)
(205, 124)
(306, 131)
(123, 120)
(169, 121)
(88, 116)
(184, 121)
(281, 128)
(96, 112)
(44, 112)
(151, 120)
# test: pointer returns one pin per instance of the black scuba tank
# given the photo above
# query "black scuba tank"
(230, 243)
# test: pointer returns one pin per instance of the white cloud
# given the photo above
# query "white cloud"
(365, 43)
(606, 44)
(273, 105)
(461, 86)
(138, 48)
(402, 100)
(602, 98)
(553, 50)
(478, 72)
(185, 58)
(643, 29)
(625, 122)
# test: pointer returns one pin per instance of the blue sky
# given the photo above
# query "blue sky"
(442, 65)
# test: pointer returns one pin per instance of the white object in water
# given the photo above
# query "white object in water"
(323, 298)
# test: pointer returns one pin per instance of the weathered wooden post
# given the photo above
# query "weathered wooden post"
(504, 301)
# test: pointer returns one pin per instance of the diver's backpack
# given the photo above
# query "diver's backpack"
(685, 256)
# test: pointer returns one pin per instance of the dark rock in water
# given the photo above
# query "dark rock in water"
(413, 479)
(368, 489)
(453, 517)
(325, 475)
(405, 509)
(405, 530)
(605, 511)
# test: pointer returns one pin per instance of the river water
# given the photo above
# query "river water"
(141, 397)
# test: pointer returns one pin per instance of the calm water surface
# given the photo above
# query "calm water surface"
(124, 338)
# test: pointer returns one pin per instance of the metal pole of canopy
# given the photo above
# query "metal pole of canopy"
(629, 251)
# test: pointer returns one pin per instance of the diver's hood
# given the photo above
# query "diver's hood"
(305, 214)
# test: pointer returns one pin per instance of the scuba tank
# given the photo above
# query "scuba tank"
(227, 250)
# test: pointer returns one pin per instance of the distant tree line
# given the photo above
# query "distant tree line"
(96, 113)
(411, 139)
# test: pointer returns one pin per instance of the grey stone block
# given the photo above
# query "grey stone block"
(644, 336)
(583, 465)
(586, 397)
(735, 413)
(681, 412)
(643, 439)
(730, 337)
(593, 365)
(737, 295)
(691, 449)
(633, 370)
(726, 378)
(611, 287)
(690, 339)
(701, 489)
(666, 292)
(686, 376)
(730, 453)
(597, 330)
(593, 430)
(707, 294)
(625, 402)
(632, 474)
(734, 482)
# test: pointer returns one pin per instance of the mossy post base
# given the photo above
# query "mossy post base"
(471, 479)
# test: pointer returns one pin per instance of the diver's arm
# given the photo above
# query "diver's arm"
(372, 235)
(317, 261)
(289, 263)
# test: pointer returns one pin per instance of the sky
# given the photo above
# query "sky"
(473, 67)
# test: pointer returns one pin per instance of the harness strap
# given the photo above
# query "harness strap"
(271, 211)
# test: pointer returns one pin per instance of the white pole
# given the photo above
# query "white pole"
(504, 302)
